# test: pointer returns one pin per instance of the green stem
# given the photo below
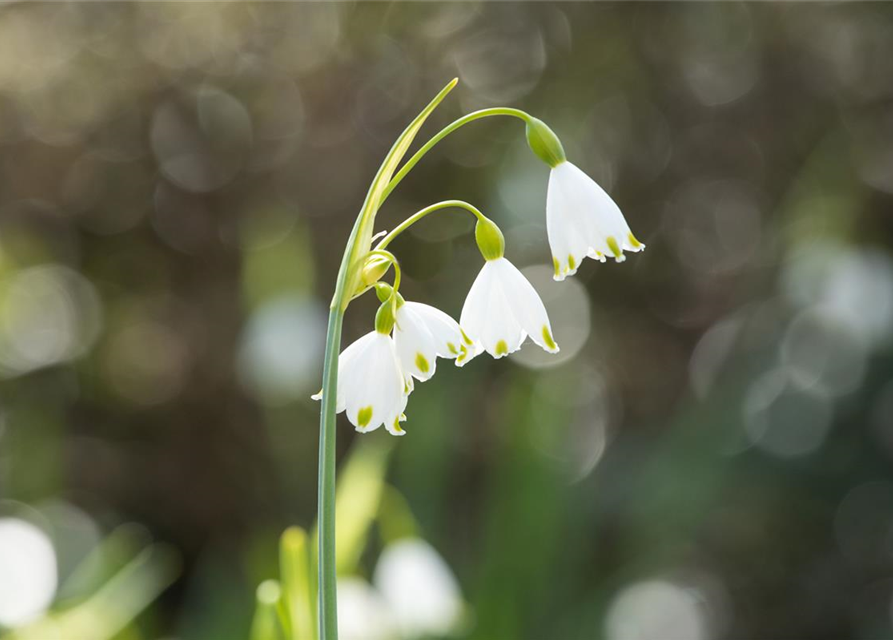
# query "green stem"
(471, 117)
(418, 215)
(328, 609)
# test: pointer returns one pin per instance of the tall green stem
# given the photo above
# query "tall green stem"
(328, 610)
(348, 277)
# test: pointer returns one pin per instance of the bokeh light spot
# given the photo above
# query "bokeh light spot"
(656, 610)
(568, 306)
(281, 352)
(27, 572)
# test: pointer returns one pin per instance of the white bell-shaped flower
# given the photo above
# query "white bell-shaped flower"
(503, 308)
(371, 385)
(435, 607)
(423, 333)
(583, 221)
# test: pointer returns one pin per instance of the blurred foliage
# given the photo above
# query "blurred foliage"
(708, 457)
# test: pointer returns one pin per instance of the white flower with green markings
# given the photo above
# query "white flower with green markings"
(371, 385)
(422, 334)
(502, 307)
(582, 221)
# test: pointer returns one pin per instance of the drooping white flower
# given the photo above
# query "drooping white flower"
(362, 613)
(371, 385)
(423, 333)
(419, 589)
(583, 221)
(503, 308)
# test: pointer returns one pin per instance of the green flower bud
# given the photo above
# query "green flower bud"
(490, 239)
(376, 266)
(544, 143)
(383, 290)
(384, 319)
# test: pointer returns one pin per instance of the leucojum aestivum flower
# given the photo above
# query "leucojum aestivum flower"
(373, 378)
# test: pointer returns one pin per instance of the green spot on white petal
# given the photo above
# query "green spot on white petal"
(397, 428)
(452, 348)
(465, 337)
(501, 348)
(557, 266)
(364, 416)
(571, 263)
(614, 247)
(548, 339)
(633, 241)
(422, 363)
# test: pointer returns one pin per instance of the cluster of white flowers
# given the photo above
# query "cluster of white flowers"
(378, 372)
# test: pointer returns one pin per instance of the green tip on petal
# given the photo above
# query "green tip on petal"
(453, 350)
(364, 416)
(571, 263)
(397, 428)
(465, 337)
(501, 348)
(614, 247)
(557, 266)
(548, 339)
(422, 363)
(633, 241)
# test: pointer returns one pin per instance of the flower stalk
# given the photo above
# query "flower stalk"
(349, 276)
(502, 309)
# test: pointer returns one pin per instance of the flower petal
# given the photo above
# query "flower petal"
(569, 234)
(448, 336)
(473, 317)
(416, 346)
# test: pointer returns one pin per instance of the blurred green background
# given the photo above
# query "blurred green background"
(709, 456)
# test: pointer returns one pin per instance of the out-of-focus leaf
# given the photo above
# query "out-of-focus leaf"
(395, 517)
(116, 604)
(266, 619)
(297, 601)
(359, 494)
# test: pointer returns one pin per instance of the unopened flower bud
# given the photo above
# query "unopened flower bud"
(376, 266)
